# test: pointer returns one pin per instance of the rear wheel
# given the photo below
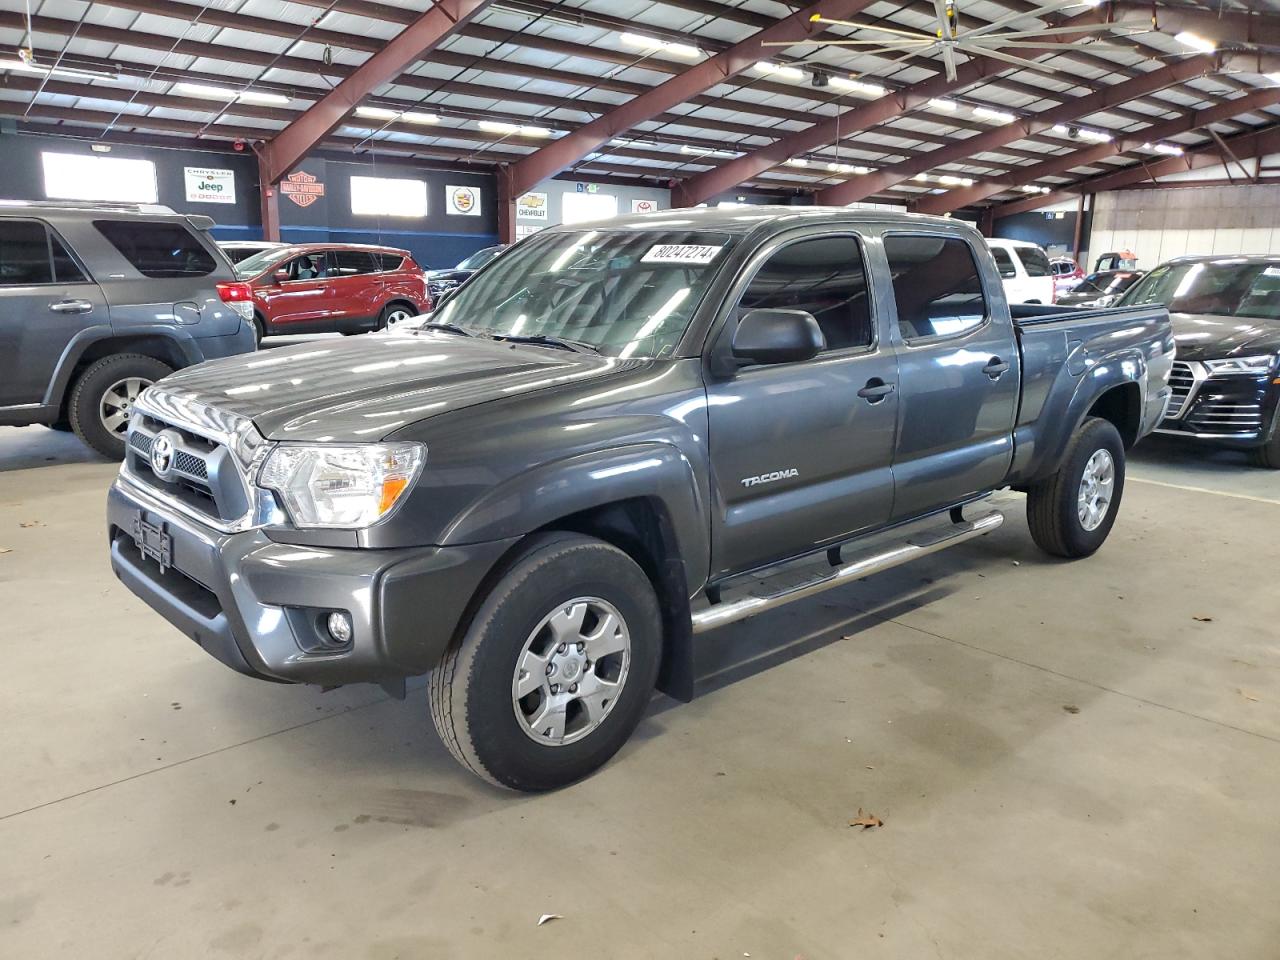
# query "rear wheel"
(394, 313)
(104, 396)
(1071, 513)
(555, 669)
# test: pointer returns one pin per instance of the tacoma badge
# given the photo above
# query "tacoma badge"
(771, 477)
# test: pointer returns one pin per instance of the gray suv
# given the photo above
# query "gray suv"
(98, 301)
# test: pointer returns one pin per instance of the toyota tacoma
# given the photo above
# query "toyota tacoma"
(610, 440)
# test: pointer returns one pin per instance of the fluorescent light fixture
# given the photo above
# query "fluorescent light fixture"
(779, 70)
(1097, 136)
(688, 51)
(382, 113)
(921, 178)
(953, 181)
(942, 103)
(995, 116)
(857, 86)
(42, 70)
(211, 92)
(703, 152)
(1171, 149)
(1061, 128)
(847, 168)
(508, 129)
(797, 162)
(1032, 188)
(1195, 42)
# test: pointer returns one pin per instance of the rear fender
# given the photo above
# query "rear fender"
(1041, 445)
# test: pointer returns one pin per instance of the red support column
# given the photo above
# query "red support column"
(269, 201)
(506, 207)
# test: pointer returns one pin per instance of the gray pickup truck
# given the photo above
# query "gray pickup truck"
(609, 440)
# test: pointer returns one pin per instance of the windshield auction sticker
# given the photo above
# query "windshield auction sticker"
(690, 253)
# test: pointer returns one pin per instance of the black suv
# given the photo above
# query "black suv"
(98, 301)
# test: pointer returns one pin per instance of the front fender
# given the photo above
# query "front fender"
(655, 471)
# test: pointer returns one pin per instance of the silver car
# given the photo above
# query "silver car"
(98, 301)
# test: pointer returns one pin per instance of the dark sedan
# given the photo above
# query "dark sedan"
(1226, 320)
(1099, 289)
(442, 281)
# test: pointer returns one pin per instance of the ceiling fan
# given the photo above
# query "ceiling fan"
(988, 40)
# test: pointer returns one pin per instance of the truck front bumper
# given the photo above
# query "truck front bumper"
(260, 606)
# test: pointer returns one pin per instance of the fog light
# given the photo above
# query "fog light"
(339, 626)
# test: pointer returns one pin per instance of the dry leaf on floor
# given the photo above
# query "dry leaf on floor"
(866, 820)
(1203, 619)
(1248, 696)
(1071, 708)
(31, 523)
(548, 917)
(5, 550)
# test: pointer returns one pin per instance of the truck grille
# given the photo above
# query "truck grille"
(1182, 381)
(203, 476)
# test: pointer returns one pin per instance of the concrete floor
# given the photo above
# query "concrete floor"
(1071, 760)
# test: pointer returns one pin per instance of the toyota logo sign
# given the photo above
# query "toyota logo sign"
(162, 456)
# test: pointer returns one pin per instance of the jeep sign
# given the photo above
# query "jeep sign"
(210, 185)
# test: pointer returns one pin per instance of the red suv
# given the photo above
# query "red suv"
(322, 288)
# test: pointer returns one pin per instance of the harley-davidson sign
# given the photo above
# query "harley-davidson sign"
(302, 188)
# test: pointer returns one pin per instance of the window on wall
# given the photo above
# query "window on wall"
(74, 176)
(581, 207)
(388, 197)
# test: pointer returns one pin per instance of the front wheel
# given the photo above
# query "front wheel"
(1071, 513)
(555, 669)
(1267, 456)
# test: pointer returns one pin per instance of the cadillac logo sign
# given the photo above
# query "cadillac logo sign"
(162, 451)
(302, 188)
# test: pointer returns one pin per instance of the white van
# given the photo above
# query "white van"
(1025, 270)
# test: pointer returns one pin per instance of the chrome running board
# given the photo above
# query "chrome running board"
(915, 546)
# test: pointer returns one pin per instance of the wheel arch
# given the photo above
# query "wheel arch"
(84, 354)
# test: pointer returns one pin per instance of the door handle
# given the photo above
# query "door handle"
(71, 306)
(996, 368)
(876, 390)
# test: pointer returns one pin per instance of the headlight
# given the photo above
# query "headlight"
(344, 486)
(1256, 366)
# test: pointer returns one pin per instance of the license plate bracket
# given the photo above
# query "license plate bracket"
(153, 540)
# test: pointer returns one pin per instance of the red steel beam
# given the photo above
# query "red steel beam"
(834, 129)
(426, 33)
(1245, 145)
(1057, 166)
(858, 189)
(568, 150)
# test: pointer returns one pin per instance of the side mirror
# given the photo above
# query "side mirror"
(280, 276)
(778, 336)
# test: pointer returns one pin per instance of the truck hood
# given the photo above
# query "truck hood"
(1209, 337)
(364, 388)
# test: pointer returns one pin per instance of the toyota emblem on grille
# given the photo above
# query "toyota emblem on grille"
(162, 454)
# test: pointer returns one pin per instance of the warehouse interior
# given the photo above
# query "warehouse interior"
(951, 745)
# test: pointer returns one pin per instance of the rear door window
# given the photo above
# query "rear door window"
(389, 261)
(1004, 263)
(1036, 263)
(936, 285)
(349, 263)
(24, 254)
(158, 250)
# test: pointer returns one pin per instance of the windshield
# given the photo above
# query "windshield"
(1104, 283)
(252, 266)
(478, 259)
(1225, 288)
(624, 294)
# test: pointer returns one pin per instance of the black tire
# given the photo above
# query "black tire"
(1053, 510)
(259, 330)
(90, 390)
(471, 692)
(1267, 456)
(62, 425)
